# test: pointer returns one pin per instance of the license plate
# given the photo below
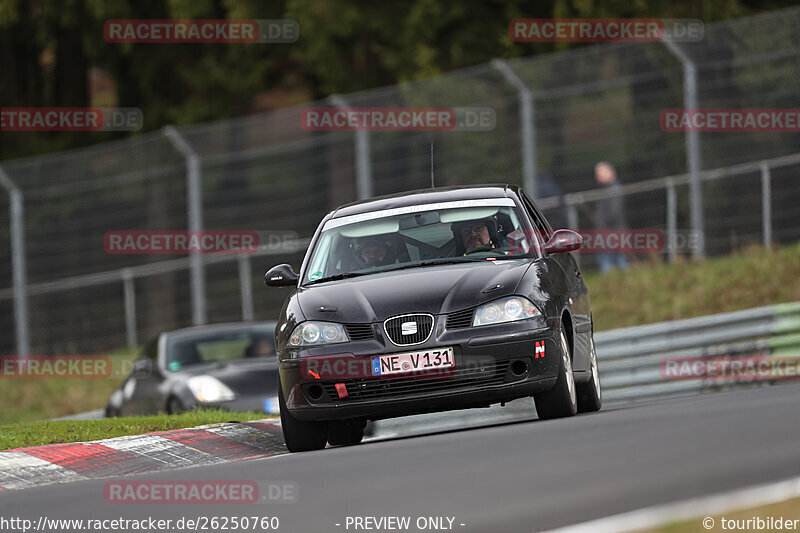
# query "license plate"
(401, 363)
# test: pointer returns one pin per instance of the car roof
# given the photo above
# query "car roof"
(425, 196)
(267, 325)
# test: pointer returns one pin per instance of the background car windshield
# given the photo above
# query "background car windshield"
(231, 346)
(404, 240)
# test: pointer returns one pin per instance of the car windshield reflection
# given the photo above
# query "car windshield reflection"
(186, 351)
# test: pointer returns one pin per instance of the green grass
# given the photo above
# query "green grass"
(788, 510)
(29, 400)
(40, 433)
(652, 291)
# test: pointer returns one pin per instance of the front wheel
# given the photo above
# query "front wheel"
(175, 406)
(300, 435)
(560, 401)
(589, 395)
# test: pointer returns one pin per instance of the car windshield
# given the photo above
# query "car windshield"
(223, 346)
(415, 236)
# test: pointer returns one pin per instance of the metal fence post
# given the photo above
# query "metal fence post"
(18, 271)
(194, 201)
(693, 161)
(362, 154)
(246, 287)
(766, 204)
(672, 221)
(527, 126)
(130, 308)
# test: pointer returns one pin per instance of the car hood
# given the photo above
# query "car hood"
(243, 377)
(435, 289)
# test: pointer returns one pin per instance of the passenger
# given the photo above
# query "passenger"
(373, 251)
(260, 347)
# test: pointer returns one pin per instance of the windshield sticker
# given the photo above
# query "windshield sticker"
(489, 202)
(174, 365)
(315, 276)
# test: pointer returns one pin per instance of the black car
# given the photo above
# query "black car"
(429, 301)
(230, 366)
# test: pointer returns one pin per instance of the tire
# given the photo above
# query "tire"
(175, 406)
(112, 412)
(300, 435)
(589, 394)
(560, 401)
(345, 432)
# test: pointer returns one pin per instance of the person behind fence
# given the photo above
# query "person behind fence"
(610, 214)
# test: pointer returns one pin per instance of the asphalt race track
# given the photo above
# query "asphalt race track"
(515, 477)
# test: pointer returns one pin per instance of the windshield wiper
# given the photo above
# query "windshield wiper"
(343, 275)
(440, 261)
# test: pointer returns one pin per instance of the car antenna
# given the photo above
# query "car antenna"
(433, 185)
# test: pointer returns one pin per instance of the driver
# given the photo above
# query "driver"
(373, 251)
(473, 235)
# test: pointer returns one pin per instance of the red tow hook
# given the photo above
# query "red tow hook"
(341, 390)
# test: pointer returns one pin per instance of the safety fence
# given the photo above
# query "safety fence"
(697, 355)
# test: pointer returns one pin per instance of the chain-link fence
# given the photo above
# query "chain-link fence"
(557, 115)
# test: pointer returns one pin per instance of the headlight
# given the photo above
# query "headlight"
(209, 389)
(505, 310)
(317, 333)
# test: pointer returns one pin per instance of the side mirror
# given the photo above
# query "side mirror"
(563, 240)
(280, 276)
(142, 368)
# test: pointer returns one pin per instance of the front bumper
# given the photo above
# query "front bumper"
(492, 364)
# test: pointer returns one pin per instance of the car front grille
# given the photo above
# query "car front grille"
(359, 332)
(368, 389)
(407, 330)
(460, 319)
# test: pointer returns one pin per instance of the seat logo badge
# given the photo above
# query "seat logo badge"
(408, 328)
(539, 349)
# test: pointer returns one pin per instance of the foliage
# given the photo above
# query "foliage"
(53, 51)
